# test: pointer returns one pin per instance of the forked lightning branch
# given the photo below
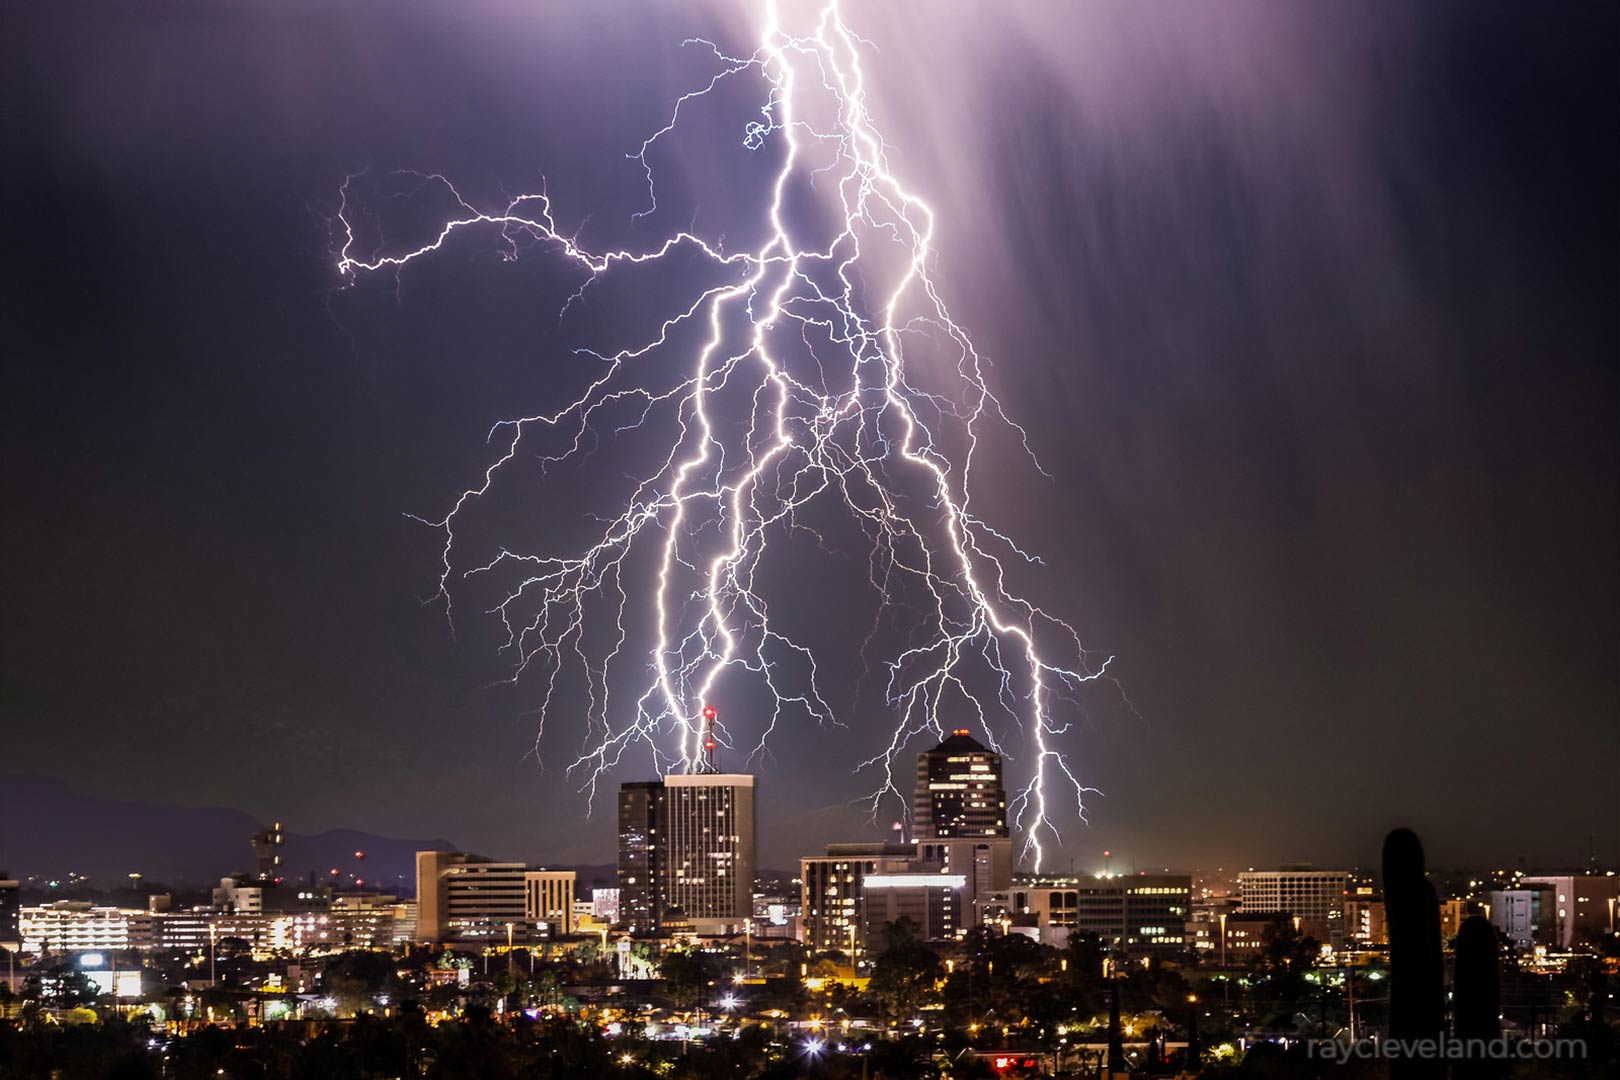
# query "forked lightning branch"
(791, 383)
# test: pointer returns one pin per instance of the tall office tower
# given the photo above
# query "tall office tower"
(641, 828)
(707, 848)
(959, 791)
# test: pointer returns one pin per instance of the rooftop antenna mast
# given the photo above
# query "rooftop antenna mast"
(705, 759)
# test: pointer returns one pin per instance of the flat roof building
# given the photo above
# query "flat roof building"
(1583, 905)
(931, 900)
(1143, 915)
(1315, 896)
(548, 900)
(831, 893)
(466, 897)
(707, 868)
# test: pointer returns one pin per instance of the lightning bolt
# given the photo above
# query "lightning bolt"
(798, 388)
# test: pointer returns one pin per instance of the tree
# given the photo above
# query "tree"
(1286, 956)
(63, 986)
(356, 978)
(686, 973)
(905, 972)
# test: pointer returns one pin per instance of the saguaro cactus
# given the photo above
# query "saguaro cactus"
(1476, 995)
(1416, 977)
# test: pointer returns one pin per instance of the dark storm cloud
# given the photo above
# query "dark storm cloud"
(1313, 301)
(1305, 308)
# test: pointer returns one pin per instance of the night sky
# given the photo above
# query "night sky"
(1307, 309)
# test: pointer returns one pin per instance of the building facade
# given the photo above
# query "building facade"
(932, 901)
(1583, 906)
(1144, 915)
(1241, 937)
(468, 898)
(1364, 920)
(548, 900)
(959, 791)
(1525, 916)
(1316, 897)
(831, 890)
(10, 913)
(641, 894)
(708, 848)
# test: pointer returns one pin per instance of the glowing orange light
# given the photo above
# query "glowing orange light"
(709, 712)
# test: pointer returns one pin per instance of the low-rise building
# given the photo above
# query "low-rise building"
(1143, 915)
(549, 901)
(1583, 906)
(1316, 897)
(932, 901)
(831, 890)
(1526, 916)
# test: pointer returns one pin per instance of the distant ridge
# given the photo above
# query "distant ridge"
(48, 830)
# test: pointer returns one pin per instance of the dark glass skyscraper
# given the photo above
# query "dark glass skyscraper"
(686, 842)
(959, 791)
(641, 825)
(10, 914)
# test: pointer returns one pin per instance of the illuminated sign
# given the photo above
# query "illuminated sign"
(915, 881)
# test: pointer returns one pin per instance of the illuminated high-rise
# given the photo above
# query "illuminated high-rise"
(641, 828)
(708, 847)
(959, 791)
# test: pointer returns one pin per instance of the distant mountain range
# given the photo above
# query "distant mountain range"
(49, 831)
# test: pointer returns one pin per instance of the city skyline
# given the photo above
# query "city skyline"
(928, 540)
(1345, 520)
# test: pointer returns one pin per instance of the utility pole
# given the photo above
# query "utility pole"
(1350, 997)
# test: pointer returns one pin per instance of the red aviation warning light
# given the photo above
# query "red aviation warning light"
(705, 763)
